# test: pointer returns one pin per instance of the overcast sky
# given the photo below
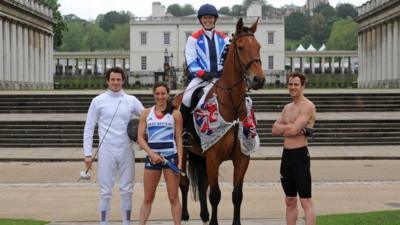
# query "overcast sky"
(89, 9)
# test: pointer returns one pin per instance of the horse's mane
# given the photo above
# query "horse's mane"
(245, 30)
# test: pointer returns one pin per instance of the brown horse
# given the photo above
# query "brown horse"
(242, 70)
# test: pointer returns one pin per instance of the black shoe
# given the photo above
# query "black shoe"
(185, 111)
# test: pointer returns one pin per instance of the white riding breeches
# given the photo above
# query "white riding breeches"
(193, 85)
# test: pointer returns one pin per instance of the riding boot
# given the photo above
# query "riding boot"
(185, 111)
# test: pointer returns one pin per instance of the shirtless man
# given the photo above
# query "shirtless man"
(295, 124)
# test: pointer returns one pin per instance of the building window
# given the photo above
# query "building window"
(188, 34)
(166, 38)
(144, 62)
(143, 38)
(270, 38)
(270, 62)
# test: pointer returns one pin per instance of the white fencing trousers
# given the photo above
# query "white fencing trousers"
(193, 85)
(110, 164)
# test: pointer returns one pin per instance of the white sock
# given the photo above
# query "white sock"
(126, 209)
(104, 210)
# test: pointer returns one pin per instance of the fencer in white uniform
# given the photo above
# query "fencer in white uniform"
(111, 111)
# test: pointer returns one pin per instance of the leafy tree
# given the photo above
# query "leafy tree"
(297, 25)
(188, 10)
(346, 10)
(224, 10)
(59, 25)
(327, 11)
(306, 41)
(72, 17)
(74, 37)
(113, 18)
(238, 10)
(343, 35)
(96, 37)
(268, 10)
(317, 28)
(118, 38)
(175, 10)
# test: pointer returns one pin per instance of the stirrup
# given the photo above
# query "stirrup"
(186, 136)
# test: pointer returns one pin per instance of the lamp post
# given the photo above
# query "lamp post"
(172, 73)
(166, 65)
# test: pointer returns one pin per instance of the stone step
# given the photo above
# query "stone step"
(335, 102)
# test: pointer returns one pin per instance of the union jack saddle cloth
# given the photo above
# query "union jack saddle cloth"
(211, 126)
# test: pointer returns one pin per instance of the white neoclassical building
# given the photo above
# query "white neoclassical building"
(26, 45)
(159, 35)
(379, 44)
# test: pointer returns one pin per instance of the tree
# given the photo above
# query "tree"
(296, 26)
(60, 26)
(175, 10)
(238, 10)
(96, 37)
(188, 10)
(346, 10)
(118, 38)
(224, 11)
(316, 27)
(343, 35)
(327, 11)
(74, 37)
(113, 18)
(306, 41)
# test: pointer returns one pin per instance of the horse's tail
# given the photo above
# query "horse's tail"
(197, 173)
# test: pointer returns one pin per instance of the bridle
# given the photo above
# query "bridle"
(244, 75)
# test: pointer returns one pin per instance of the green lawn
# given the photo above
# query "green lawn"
(371, 218)
(21, 222)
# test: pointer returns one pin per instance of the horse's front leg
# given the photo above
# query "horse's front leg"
(215, 192)
(240, 163)
(184, 186)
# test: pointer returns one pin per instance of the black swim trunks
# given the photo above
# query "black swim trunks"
(295, 172)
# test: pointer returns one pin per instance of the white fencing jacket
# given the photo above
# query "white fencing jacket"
(101, 111)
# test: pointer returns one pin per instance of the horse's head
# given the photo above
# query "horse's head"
(247, 52)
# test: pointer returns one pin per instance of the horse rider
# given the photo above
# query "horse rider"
(203, 52)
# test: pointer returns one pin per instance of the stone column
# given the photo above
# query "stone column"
(51, 53)
(14, 53)
(378, 52)
(396, 50)
(312, 65)
(373, 55)
(26, 70)
(20, 62)
(42, 50)
(47, 60)
(292, 64)
(301, 65)
(389, 53)
(1, 51)
(31, 36)
(369, 58)
(37, 58)
(322, 64)
(384, 53)
(332, 65)
(7, 49)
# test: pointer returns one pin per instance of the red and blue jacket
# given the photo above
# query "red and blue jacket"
(203, 54)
